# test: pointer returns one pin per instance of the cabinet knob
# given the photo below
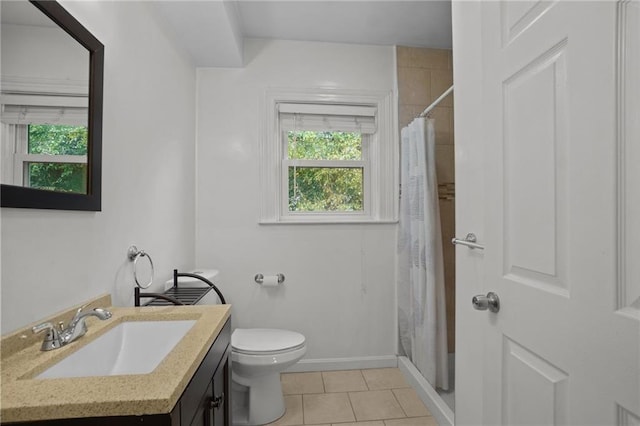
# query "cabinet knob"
(217, 401)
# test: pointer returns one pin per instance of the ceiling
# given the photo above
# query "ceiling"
(213, 31)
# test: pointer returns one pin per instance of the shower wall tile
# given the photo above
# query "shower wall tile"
(424, 58)
(404, 56)
(423, 75)
(452, 126)
(442, 117)
(414, 85)
(448, 227)
(408, 112)
(445, 164)
(450, 295)
(440, 82)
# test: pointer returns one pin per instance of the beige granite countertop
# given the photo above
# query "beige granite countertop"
(24, 398)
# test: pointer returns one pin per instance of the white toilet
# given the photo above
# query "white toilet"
(258, 356)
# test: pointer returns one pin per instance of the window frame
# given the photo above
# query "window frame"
(363, 163)
(379, 157)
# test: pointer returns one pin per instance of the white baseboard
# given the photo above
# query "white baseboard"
(435, 404)
(355, 363)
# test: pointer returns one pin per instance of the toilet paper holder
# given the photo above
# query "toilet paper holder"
(259, 278)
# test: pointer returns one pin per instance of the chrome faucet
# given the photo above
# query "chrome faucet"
(58, 337)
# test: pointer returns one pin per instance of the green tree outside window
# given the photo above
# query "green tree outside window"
(325, 189)
(54, 140)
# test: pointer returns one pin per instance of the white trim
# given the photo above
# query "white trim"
(44, 115)
(45, 100)
(434, 403)
(621, 141)
(336, 123)
(333, 164)
(40, 109)
(324, 109)
(37, 85)
(335, 221)
(49, 158)
(21, 147)
(334, 364)
(382, 177)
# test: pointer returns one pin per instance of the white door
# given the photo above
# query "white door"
(559, 103)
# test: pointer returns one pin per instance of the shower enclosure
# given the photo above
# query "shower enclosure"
(426, 257)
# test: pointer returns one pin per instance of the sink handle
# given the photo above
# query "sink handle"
(51, 339)
(42, 327)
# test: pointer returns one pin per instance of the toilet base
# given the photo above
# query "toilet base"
(264, 402)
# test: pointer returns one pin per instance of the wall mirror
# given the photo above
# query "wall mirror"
(51, 109)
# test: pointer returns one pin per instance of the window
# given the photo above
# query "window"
(325, 171)
(328, 157)
(41, 155)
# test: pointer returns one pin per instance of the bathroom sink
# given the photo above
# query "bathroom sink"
(131, 347)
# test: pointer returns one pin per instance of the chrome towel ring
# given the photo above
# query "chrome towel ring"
(134, 254)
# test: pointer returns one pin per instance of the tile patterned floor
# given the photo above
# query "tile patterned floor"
(375, 397)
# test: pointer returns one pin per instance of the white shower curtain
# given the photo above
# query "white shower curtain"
(422, 317)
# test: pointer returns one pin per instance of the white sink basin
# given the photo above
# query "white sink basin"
(132, 347)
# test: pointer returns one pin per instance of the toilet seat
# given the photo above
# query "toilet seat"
(265, 341)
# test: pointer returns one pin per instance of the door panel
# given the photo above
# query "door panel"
(629, 157)
(534, 147)
(561, 206)
(535, 391)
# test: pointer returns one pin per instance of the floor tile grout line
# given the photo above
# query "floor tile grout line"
(399, 403)
(366, 382)
(351, 405)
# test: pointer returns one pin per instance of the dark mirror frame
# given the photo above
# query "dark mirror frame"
(22, 197)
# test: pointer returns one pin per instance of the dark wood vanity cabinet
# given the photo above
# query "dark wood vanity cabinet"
(212, 409)
(206, 401)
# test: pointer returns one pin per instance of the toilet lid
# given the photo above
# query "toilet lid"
(263, 340)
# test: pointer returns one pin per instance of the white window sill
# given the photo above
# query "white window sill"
(326, 221)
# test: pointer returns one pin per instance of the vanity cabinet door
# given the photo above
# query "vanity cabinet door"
(213, 409)
(197, 402)
(220, 406)
(203, 412)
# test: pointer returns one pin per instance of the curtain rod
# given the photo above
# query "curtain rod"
(436, 102)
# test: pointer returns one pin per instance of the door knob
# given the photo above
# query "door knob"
(470, 241)
(490, 302)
